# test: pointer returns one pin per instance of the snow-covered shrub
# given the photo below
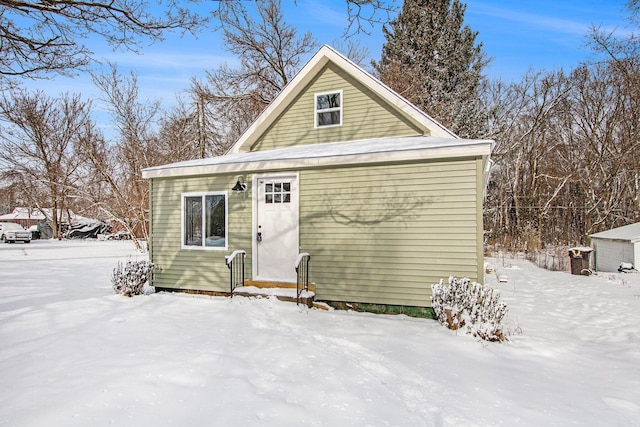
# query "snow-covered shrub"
(129, 279)
(463, 304)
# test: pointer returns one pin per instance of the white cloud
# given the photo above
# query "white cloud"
(168, 59)
(537, 21)
(320, 13)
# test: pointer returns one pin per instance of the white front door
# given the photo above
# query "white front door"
(276, 227)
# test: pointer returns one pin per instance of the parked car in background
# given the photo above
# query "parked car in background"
(11, 232)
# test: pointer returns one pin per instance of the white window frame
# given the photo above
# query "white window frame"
(327, 110)
(203, 194)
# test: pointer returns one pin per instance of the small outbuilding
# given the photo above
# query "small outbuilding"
(616, 246)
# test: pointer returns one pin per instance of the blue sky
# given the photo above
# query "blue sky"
(518, 35)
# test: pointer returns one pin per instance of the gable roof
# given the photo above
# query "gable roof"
(365, 151)
(325, 55)
(629, 232)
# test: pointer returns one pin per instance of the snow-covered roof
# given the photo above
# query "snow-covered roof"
(629, 232)
(22, 213)
(376, 150)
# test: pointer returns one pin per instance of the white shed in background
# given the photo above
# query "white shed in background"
(615, 246)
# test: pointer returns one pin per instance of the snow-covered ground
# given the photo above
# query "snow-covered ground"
(74, 354)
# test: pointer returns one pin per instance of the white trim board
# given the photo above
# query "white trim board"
(389, 150)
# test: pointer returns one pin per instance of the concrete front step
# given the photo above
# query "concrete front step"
(283, 294)
(284, 285)
(284, 291)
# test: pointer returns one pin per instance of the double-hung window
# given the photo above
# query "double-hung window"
(204, 220)
(328, 109)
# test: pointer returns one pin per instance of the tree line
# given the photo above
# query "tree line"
(566, 161)
(54, 155)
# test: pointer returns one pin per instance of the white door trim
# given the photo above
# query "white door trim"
(254, 215)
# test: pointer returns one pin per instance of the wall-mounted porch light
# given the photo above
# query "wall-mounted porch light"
(240, 185)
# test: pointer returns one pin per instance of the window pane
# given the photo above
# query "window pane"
(330, 118)
(277, 187)
(287, 198)
(328, 108)
(286, 186)
(193, 221)
(268, 198)
(334, 100)
(215, 225)
(322, 102)
(331, 100)
(269, 188)
(277, 197)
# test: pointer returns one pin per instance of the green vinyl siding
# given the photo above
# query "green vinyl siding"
(376, 234)
(190, 268)
(379, 233)
(365, 115)
(384, 234)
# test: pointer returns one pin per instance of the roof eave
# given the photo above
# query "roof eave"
(480, 149)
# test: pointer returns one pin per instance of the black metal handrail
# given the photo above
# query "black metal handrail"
(302, 273)
(236, 275)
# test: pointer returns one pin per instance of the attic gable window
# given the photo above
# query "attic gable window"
(328, 109)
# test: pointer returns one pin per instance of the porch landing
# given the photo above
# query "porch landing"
(281, 290)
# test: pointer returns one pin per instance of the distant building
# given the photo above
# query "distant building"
(615, 246)
(27, 217)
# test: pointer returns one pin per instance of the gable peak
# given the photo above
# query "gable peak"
(308, 72)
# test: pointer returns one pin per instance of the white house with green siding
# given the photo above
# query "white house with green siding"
(384, 199)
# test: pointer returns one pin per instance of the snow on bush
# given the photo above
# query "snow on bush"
(129, 279)
(463, 304)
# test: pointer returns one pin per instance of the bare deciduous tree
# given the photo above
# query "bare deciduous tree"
(353, 50)
(363, 15)
(566, 158)
(38, 147)
(38, 38)
(269, 52)
(567, 155)
(41, 37)
(136, 148)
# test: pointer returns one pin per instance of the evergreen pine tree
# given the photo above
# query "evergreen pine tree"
(431, 59)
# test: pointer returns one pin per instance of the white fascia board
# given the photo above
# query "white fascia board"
(279, 104)
(481, 149)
